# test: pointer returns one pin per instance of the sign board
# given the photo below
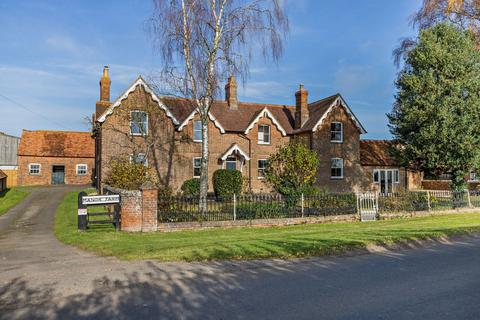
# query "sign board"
(82, 212)
(104, 199)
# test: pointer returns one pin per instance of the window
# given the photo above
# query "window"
(139, 158)
(336, 129)
(138, 123)
(197, 166)
(473, 176)
(376, 176)
(262, 165)
(264, 134)
(197, 131)
(81, 169)
(337, 168)
(34, 168)
(396, 176)
(381, 174)
(231, 163)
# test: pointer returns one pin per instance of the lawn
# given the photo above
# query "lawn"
(11, 197)
(253, 243)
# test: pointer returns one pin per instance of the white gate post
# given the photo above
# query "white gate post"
(428, 200)
(303, 204)
(234, 207)
(468, 197)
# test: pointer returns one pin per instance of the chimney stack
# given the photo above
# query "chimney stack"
(231, 93)
(301, 107)
(104, 102)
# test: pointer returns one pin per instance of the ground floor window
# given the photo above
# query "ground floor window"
(81, 169)
(197, 167)
(386, 178)
(262, 165)
(34, 168)
(336, 168)
(231, 163)
(139, 158)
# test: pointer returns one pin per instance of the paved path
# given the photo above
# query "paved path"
(41, 278)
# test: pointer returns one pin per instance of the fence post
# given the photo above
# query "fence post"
(428, 200)
(234, 207)
(468, 197)
(303, 204)
(82, 212)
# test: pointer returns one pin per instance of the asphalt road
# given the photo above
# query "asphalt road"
(41, 278)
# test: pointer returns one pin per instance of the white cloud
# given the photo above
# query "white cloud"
(68, 44)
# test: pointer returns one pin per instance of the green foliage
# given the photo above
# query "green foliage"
(191, 187)
(292, 168)
(11, 197)
(436, 116)
(125, 174)
(227, 182)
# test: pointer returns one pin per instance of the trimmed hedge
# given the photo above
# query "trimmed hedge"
(227, 182)
(191, 187)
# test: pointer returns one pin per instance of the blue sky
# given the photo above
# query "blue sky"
(52, 53)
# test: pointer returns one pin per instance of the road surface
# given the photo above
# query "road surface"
(40, 278)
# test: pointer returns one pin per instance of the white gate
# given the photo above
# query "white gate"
(367, 205)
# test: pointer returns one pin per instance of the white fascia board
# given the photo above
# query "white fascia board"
(266, 113)
(347, 109)
(230, 151)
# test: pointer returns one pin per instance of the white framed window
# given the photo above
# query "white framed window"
(197, 130)
(138, 123)
(336, 168)
(81, 169)
(473, 176)
(231, 163)
(197, 167)
(396, 176)
(381, 174)
(34, 169)
(263, 134)
(376, 176)
(262, 165)
(139, 158)
(336, 132)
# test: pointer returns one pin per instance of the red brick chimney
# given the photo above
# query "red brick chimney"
(231, 93)
(104, 101)
(301, 107)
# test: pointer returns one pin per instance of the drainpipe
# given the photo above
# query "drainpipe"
(241, 135)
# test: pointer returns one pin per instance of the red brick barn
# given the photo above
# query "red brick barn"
(55, 157)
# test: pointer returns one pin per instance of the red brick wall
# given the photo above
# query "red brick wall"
(45, 176)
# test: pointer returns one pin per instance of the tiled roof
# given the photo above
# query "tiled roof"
(377, 153)
(2, 175)
(316, 111)
(67, 144)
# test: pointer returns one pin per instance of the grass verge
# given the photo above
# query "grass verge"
(11, 197)
(254, 243)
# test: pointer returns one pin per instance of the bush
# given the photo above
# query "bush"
(127, 175)
(250, 211)
(227, 182)
(191, 187)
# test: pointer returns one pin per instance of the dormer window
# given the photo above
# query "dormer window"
(336, 132)
(138, 123)
(197, 131)
(263, 134)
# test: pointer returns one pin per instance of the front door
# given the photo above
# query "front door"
(58, 175)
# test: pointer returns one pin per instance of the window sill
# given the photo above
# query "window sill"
(336, 178)
(335, 141)
(264, 143)
(138, 135)
(197, 141)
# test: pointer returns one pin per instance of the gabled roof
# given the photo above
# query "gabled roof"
(68, 144)
(135, 84)
(234, 148)
(320, 109)
(377, 153)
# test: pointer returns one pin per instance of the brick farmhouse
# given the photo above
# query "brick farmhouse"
(55, 157)
(164, 133)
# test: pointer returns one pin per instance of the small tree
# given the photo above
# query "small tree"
(125, 174)
(436, 116)
(292, 169)
(226, 183)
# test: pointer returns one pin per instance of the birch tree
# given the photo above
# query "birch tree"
(202, 42)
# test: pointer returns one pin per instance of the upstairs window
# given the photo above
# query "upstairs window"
(197, 167)
(231, 163)
(81, 169)
(262, 165)
(34, 168)
(139, 158)
(336, 132)
(138, 123)
(197, 131)
(336, 168)
(264, 134)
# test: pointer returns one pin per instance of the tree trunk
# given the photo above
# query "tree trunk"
(204, 167)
